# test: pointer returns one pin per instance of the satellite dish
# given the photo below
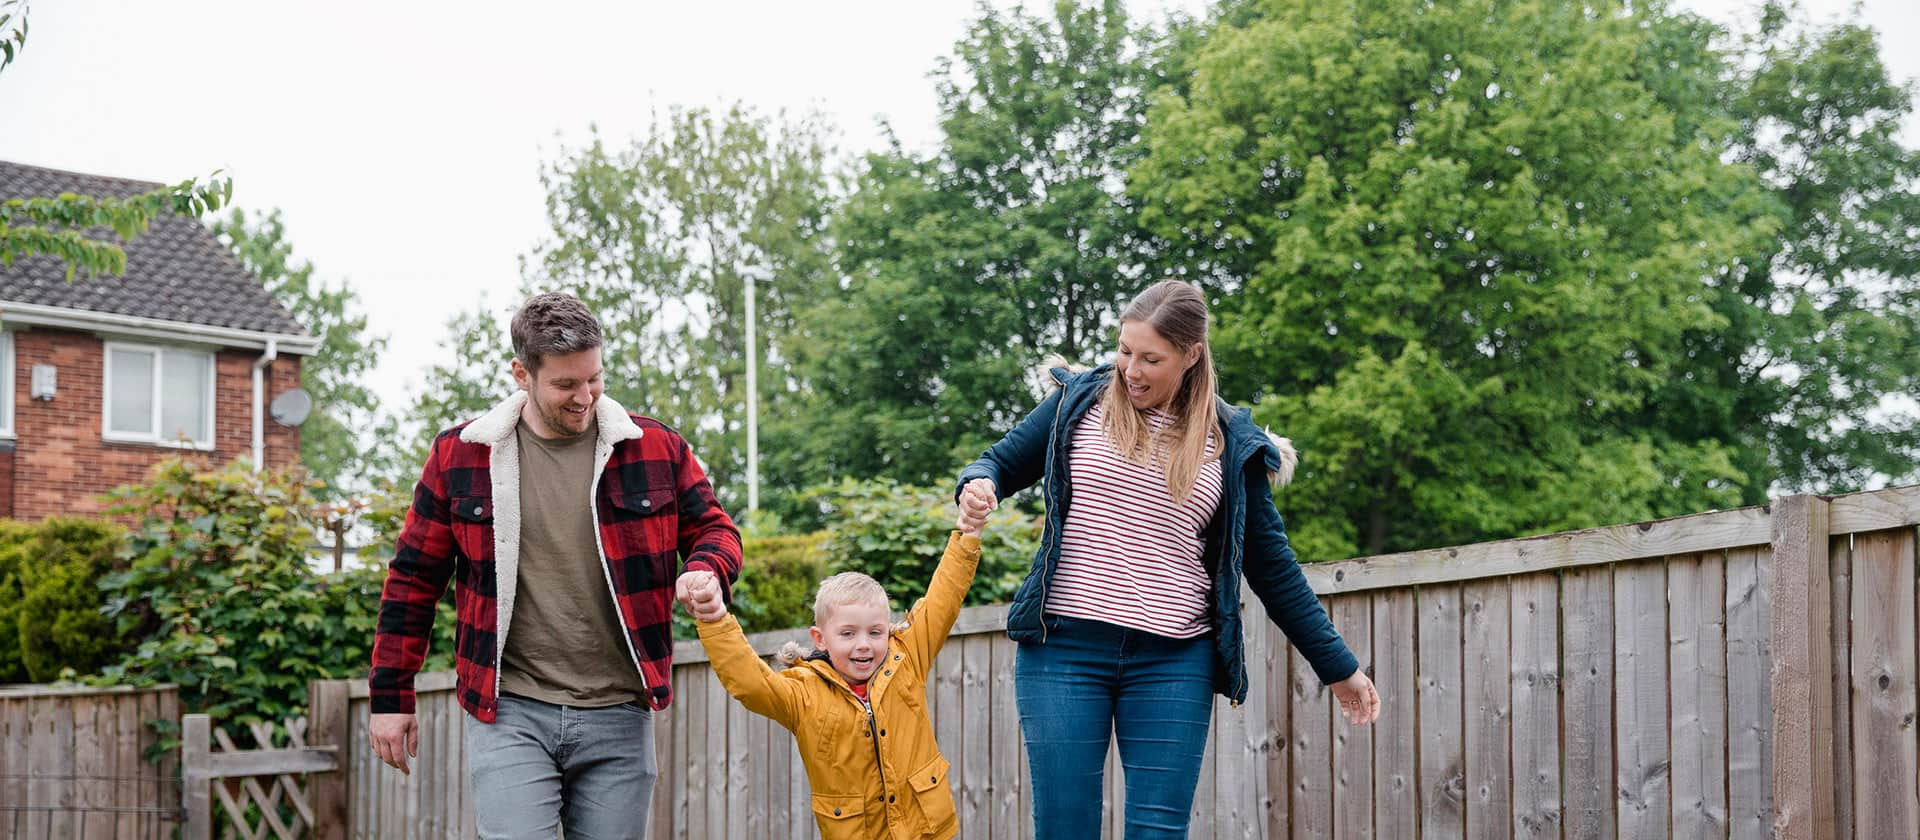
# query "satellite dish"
(291, 407)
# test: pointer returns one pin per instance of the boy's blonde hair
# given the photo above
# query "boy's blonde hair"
(837, 591)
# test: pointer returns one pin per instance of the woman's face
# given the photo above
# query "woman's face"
(1149, 365)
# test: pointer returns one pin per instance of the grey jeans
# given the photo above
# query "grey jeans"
(538, 766)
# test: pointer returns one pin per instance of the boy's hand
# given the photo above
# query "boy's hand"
(700, 593)
(974, 507)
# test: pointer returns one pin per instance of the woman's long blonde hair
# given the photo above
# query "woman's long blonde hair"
(1177, 311)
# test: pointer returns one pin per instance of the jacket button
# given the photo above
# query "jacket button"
(934, 779)
(646, 503)
(477, 510)
(836, 812)
(883, 732)
(889, 797)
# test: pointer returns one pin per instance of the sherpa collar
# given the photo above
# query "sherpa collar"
(494, 427)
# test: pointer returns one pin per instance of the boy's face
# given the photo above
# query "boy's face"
(855, 639)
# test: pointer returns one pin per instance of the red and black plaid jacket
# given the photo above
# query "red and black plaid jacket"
(657, 517)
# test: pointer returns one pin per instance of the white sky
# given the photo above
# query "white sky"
(402, 140)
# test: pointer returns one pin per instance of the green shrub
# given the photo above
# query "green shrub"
(776, 589)
(13, 537)
(217, 586)
(897, 533)
(50, 605)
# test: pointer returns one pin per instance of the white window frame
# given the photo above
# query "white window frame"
(153, 437)
(8, 399)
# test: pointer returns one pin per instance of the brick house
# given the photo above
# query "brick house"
(102, 377)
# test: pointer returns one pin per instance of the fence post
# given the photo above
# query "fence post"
(1802, 672)
(327, 726)
(196, 745)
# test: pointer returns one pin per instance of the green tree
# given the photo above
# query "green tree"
(337, 442)
(1014, 241)
(476, 373)
(1456, 252)
(658, 239)
(1827, 326)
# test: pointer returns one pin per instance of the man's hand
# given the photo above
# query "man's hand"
(699, 592)
(395, 738)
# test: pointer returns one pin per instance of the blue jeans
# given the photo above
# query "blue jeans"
(539, 765)
(1090, 680)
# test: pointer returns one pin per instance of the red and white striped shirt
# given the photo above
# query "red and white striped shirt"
(1128, 555)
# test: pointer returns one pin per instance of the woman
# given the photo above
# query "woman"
(1158, 500)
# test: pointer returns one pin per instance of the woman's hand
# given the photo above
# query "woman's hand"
(1358, 700)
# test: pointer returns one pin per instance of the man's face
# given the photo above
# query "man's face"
(561, 394)
(855, 639)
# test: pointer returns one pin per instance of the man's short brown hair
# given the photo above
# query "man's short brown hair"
(553, 323)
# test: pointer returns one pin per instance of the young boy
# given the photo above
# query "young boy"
(857, 704)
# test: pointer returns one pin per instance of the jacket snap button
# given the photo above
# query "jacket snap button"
(646, 503)
(836, 812)
(477, 510)
(889, 797)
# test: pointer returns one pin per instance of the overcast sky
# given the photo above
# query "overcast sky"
(402, 140)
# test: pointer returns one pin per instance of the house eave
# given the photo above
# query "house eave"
(34, 314)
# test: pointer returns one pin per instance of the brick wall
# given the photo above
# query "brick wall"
(60, 465)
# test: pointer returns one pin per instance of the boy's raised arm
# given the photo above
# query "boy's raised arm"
(745, 675)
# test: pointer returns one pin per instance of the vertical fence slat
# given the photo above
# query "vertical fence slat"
(1802, 667)
(678, 722)
(719, 705)
(126, 764)
(1487, 672)
(1008, 756)
(1749, 790)
(1312, 753)
(1278, 737)
(1353, 745)
(1698, 699)
(1640, 713)
(1241, 782)
(92, 788)
(1840, 564)
(975, 795)
(196, 743)
(1534, 610)
(327, 726)
(694, 760)
(1885, 762)
(1587, 683)
(1396, 803)
(1442, 756)
(739, 756)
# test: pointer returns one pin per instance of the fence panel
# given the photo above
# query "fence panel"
(1618, 682)
(73, 763)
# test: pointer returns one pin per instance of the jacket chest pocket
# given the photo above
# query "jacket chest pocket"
(642, 532)
(473, 526)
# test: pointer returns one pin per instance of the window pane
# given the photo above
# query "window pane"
(130, 406)
(183, 396)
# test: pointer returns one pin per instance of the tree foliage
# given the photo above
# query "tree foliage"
(658, 237)
(215, 584)
(334, 441)
(1456, 251)
(1013, 241)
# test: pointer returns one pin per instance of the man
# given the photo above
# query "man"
(570, 526)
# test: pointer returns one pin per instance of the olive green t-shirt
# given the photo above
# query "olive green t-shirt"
(565, 644)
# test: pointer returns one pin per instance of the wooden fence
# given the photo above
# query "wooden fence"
(1746, 673)
(72, 763)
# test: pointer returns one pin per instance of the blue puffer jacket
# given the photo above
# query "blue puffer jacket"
(1246, 535)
